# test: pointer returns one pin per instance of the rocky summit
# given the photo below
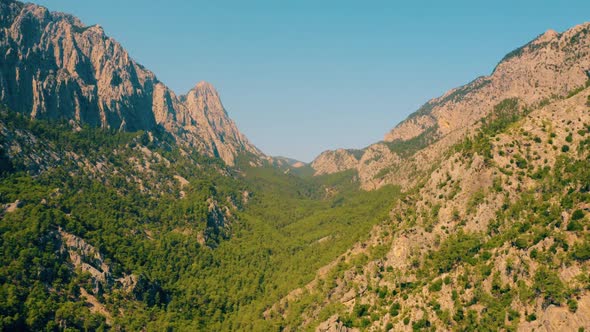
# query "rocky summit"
(54, 67)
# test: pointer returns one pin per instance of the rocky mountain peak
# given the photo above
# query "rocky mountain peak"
(52, 66)
(547, 36)
(547, 65)
(204, 88)
(204, 96)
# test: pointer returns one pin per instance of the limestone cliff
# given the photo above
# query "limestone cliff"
(52, 66)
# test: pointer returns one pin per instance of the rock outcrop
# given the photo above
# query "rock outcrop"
(335, 161)
(52, 66)
(280, 161)
(86, 258)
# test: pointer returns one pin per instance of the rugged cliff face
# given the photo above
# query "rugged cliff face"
(547, 68)
(54, 67)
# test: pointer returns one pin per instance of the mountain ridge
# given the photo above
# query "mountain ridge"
(550, 66)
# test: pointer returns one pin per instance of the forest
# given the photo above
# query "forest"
(212, 253)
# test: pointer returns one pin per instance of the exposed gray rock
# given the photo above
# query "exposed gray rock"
(52, 66)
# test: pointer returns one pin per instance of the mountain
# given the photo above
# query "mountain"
(492, 233)
(329, 162)
(549, 67)
(494, 237)
(55, 67)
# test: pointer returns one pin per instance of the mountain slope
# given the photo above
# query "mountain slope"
(54, 67)
(548, 67)
(495, 237)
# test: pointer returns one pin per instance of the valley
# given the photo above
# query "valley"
(126, 207)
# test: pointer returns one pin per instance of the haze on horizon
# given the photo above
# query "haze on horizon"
(304, 77)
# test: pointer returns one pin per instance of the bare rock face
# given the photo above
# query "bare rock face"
(550, 66)
(86, 257)
(333, 325)
(218, 132)
(54, 67)
(334, 161)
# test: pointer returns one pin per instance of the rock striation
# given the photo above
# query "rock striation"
(52, 66)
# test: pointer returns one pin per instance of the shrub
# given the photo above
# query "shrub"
(547, 282)
(513, 314)
(420, 324)
(572, 305)
(475, 200)
(578, 214)
(581, 252)
(574, 225)
(522, 242)
(360, 310)
(565, 148)
(436, 286)
(365, 322)
(394, 309)
(459, 315)
(520, 161)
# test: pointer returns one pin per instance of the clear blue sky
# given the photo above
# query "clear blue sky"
(300, 77)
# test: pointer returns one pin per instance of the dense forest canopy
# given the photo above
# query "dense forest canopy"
(190, 270)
